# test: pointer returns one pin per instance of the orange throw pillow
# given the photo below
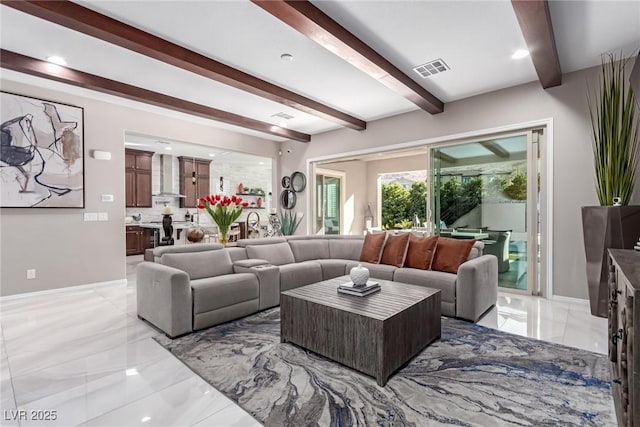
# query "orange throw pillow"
(420, 252)
(372, 247)
(450, 253)
(395, 249)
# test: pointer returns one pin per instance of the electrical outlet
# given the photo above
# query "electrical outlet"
(90, 216)
(103, 216)
(31, 273)
(107, 197)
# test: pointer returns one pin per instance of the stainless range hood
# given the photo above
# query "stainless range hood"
(166, 178)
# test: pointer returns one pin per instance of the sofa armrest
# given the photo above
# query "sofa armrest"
(248, 263)
(164, 298)
(476, 287)
(268, 279)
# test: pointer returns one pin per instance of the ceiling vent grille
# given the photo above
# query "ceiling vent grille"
(283, 116)
(430, 68)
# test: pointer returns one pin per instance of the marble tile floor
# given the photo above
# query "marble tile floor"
(85, 355)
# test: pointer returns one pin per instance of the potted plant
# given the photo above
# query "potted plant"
(614, 122)
(289, 222)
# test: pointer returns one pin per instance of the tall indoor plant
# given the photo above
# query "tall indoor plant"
(616, 142)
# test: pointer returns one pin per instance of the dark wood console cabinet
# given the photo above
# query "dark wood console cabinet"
(191, 191)
(138, 239)
(137, 172)
(624, 332)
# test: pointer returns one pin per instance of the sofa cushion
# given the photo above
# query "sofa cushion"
(305, 250)
(446, 282)
(200, 264)
(451, 253)
(345, 248)
(333, 268)
(372, 247)
(299, 274)
(276, 254)
(236, 253)
(377, 271)
(420, 252)
(213, 293)
(395, 249)
(476, 250)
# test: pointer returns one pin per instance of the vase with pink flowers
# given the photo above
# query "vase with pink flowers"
(224, 211)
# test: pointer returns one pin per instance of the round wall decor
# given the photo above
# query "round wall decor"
(298, 182)
(288, 199)
(286, 181)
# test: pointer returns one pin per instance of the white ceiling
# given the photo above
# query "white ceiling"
(475, 38)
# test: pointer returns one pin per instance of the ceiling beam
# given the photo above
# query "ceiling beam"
(447, 158)
(495, 149)
(319, 27)
(87, 21)
(535, 24)
(36, 67)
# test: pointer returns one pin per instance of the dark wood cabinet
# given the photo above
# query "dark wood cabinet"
(137, 178)
(191, 191)
(624, 330)
(136, 242)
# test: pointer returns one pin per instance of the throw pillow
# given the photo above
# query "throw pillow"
(372, 247)
(420, 252)
(451, 253)
(395, 249)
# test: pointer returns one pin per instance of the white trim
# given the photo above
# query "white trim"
(431, 141)
(548, 197)
(63, 290)
(343, 184)
(572, 300)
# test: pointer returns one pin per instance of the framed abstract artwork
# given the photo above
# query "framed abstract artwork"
(41, 153)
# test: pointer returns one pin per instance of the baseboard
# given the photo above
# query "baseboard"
(63, 290)
(571, 300)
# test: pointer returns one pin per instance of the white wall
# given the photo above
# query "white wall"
(65, 250)
(572, 154)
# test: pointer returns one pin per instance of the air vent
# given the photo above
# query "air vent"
(432, 67)
(283, 116)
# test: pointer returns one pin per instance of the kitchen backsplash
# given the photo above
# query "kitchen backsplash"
(258, 176)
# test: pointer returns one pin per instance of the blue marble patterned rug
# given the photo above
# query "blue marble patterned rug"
(473, 376)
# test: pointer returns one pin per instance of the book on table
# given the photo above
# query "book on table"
(358, 293)
(349, 286)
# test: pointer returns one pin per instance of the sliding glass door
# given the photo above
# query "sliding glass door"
(328, 209)
(489, 190)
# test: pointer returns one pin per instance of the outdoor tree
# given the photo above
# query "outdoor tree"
(395, 204)
(516, 186)
(418, 200)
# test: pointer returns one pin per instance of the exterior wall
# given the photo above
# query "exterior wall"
(65, 250)
(573, 174)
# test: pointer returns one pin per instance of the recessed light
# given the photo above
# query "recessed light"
(131, 372)
(261, 163)
(212, 155)
(58, 60)
(286, 57)
(145, 419)
(168, 148)
(520, 53)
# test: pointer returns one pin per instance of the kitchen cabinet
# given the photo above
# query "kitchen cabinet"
(137, 178)
(201, 167)
(138, 239)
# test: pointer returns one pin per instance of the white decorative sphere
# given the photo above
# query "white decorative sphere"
(359, 275)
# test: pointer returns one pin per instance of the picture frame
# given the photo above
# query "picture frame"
(42, 156)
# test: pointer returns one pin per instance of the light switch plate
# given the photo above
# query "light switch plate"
(90, 216)
(103, 216)
(106, 198)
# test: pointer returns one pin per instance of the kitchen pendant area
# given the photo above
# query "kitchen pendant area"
(164, 180)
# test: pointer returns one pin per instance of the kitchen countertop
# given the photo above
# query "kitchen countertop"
(176, 225)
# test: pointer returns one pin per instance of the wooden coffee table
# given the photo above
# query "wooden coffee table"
(376, 334)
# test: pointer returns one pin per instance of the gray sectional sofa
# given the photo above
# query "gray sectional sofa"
(192, 287)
